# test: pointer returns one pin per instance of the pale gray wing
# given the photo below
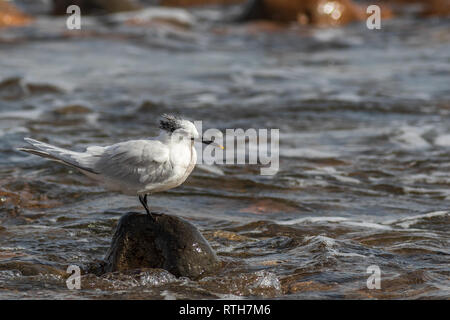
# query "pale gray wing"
(137, 162)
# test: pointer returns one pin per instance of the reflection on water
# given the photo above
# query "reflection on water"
(364, 142)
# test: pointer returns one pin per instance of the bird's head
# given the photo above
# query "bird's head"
(178, 128)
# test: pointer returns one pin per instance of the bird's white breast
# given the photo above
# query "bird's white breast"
(183, 158)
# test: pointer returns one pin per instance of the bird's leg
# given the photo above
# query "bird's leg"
(143, 200)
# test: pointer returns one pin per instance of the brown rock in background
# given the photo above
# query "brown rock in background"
(94, 6)
(316, 12)
(437, 8)
(10, 16)
(428, 7)
(188, 3)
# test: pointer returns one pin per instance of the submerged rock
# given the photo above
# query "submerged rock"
(125, 280)
(170, 243)
(17, 88)
(27, 268)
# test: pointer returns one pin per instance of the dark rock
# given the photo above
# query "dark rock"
(170, 243)
(16, 88)
(189, 3)
(326, 13)
(437, 8)
(338, 12)
(94, 6)
(423, 7)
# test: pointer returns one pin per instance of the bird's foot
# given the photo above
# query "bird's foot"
(150, 216)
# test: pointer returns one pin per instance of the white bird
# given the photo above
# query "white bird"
(136, 167)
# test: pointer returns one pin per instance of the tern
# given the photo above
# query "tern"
(135, 167)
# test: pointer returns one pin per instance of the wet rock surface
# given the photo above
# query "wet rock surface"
(29, 268)
(169, 243)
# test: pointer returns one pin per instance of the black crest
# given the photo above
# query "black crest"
(169, 123)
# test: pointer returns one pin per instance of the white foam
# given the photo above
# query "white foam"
(267, 280)
(211, 169)
(331, 171)
(330, 245)
(168, 295)
(304, 183)
(347, 254)
(347, 221)
(412, 190)
(149, 14)
(13, 130)
(326, 35)
(346, 179)
(432, 178)
(22, 114)
(413, 140)
(312, 220)
(10, 274)
(156, 279)
(229, 296)
(18, 248)
(328, 242)
(370, 225)
(409, 221)
(443, 140)
(307, 153)
(412, 137)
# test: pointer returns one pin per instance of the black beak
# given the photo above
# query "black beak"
(208, 142)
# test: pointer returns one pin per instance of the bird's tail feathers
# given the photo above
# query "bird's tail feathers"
(64, 156)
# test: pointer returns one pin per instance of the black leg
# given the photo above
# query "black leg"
(143, 200)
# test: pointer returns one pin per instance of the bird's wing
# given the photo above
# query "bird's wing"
(137, 162)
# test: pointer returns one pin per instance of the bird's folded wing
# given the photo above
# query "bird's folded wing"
(135, 162)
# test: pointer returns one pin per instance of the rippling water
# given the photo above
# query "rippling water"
(364, 154)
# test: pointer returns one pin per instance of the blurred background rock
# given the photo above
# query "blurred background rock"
(11, 16)
(316, 12)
